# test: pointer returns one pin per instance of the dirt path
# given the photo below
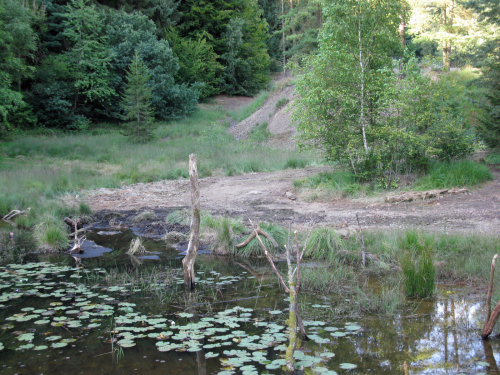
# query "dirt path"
(261, 196)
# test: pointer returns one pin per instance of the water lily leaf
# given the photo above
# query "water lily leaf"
(59, 345)
(327, 355)
(52, 338)
(26, 337)
(68, 340)
(40, 347)
(331, 329)
(352, 328)
(275, 312)
(482, 363)
(211, 355)
(26, 346)
(338, 334)
(347, 366)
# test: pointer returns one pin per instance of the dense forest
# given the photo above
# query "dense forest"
(66, 64)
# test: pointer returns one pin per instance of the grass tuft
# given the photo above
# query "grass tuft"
(336, 183)
(179, 217)
(323, 243)
(144, 216)
(51, 234)
(417, 263)
(455, 174)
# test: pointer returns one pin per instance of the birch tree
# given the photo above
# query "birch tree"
(340, 90)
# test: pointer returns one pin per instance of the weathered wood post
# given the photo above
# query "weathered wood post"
(194, 237)
(491, 317)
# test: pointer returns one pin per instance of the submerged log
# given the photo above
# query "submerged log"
(194, 236)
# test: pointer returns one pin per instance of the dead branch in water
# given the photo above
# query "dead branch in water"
(77, 244)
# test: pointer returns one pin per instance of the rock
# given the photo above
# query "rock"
(290, 196)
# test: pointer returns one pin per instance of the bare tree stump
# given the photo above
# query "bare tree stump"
(491, 318)
(194, 237)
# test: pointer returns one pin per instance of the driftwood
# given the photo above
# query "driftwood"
(194, 236)
(77, 244)
(12, 214)
(416, 195)
(252, 236)
(73, 223)
(491, 317)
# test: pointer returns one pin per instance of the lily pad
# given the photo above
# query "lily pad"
(347, 366)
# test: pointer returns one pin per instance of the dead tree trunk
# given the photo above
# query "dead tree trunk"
(491, 318)
(194, 237)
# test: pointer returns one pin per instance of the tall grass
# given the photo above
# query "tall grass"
(455, 174)
(418, 264)
(459, 257)
(493, 158)
(323, 243)
(336, 183)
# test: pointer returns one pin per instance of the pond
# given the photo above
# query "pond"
(91, 315)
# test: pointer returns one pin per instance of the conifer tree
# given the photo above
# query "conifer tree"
(136, 102)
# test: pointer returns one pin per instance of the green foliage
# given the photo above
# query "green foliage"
(417, 264)
(133, 33)
(323, 243)
(136, 102)
(301, 24)
(246, 62)
(197, 63)
(17, 44)
(88, 59)
(464, 173)
(281, 103)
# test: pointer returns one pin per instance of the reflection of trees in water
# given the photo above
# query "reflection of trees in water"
(439, 336)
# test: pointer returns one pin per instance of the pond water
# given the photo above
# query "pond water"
(57, 318)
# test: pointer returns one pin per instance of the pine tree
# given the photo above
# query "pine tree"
(136, 102)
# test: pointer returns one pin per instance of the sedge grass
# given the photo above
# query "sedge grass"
(323, 243)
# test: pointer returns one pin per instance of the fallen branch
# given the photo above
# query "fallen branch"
(15, 213)
(77, 244)
(252, 236)
(415, 195)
